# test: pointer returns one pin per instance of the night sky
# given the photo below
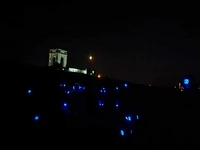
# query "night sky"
(141, 44)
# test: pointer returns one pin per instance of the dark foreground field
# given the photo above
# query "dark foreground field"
(76, 118)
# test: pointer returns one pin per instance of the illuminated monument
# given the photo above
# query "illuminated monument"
(59, 56)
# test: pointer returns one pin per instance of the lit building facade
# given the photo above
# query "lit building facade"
(58, 56)
(75, 70)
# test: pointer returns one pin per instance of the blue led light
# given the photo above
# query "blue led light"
(65, 104)
(125, 85)
(101, 103)
(137, 117)
(36, 118)
(29, 91)
(117, 104)
(186, 81)
(122, 132)
(81, 88)
(63, 85)
(67, 92)
(131, 131)
(103, 90)
(117, 88)
(128, 118)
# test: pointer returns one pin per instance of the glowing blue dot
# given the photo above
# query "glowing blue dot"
(122, 132)
(125, 85)
(101, 103)
(65, 104)
(29, 91)
(64, 85)
(186, 81)
(117, 104)
(68, 92)
(128, 118)
(36, 118)
(73, 87)
(137, 117)
(131, 131)
(117, 88)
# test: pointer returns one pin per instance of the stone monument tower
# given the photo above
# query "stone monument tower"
(58, 56)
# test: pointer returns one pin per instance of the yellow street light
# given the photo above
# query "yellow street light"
(90, 57)
(99, 76)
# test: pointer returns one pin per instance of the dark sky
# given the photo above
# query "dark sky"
(143, 44)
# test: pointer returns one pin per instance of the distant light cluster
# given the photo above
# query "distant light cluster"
(129, 119)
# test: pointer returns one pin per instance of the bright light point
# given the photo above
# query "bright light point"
(101, 103)
(68, 92)
(117, 104)
(29, 91)
(125, 85)
(90, 57)
(65, 104)
(117, 88)
(36, 118)
(128, 118)
(99, 76)
(137, 117)
(122, 132)
(186, 81)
